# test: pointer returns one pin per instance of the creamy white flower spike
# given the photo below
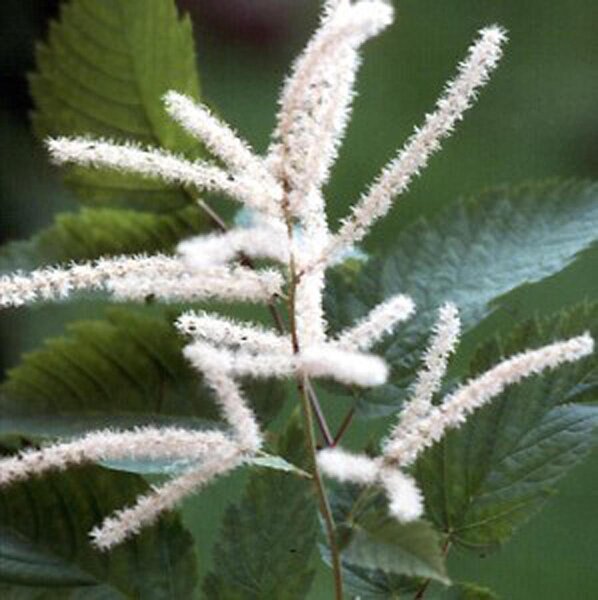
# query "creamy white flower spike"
(396, 176)
(378, 323)
(350, 368)
(422, 424)
(221, 248)
(154, 163)
(216, 136)
(142, 443)
(404, 498)
(429, 378)
(136, 278)
(454, 409)
(348, 467)
(316, 99)
(130, 521)
(221, 331)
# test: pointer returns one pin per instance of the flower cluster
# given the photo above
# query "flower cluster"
(290, 229)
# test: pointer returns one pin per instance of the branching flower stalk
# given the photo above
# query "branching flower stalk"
(290, 229)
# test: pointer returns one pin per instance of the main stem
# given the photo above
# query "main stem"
(325, 510)
(220, 224)
(304, 388)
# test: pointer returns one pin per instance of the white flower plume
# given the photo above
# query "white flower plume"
(284, 190)
(422, 423)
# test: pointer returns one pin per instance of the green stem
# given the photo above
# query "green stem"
(325, 509)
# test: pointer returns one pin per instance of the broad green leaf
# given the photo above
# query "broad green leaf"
(45, 545)
(472, 254)
(267, 540)
(91, 233)
(23, 562)
(379, 552)
(127, 369)
(410, 549)
(103, 72)
(124, 370)
(485, 479)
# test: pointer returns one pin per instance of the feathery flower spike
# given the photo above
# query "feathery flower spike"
(145, 442)
(217, 136)
(429, 378)
(221, 331)
(454, 409)
(315, 102)
(136, 277)
(159, 164)
(428, 423)
(396, 176)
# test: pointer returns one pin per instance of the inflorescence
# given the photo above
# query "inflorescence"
(290, 229)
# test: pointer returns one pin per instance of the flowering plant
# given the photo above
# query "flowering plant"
(379, 509)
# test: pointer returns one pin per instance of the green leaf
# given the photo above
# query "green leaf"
(485, 479)
(278, 463)
(103, 72)
(122, 371)
(378, 552)
(91, 233)
(410, 549)
(45, 545)
(267, 540)
(472, 254)
(375, 584)
(125, 370)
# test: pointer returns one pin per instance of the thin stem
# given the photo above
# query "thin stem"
(344, 426)
(320, 418)
(325, 509)
(422, 590)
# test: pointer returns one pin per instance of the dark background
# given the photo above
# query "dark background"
(537, 119)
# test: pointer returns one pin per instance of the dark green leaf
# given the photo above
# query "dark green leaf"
(378, 552)
(45, 549)
(122, 371)
(485, 479)
(103, 72)
(267, 540)
(472, 254)
(91, 233)
(410, 549)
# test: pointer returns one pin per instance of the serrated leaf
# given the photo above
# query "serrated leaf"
(127, 369)
(410, 549)
(379, 553)
(267, 540)
(46, 545)
(91, 233)
(482, 481)
(472, 254)
(122, 371)
(103, 72)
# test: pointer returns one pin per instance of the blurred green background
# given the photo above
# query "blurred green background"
(537, 119)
